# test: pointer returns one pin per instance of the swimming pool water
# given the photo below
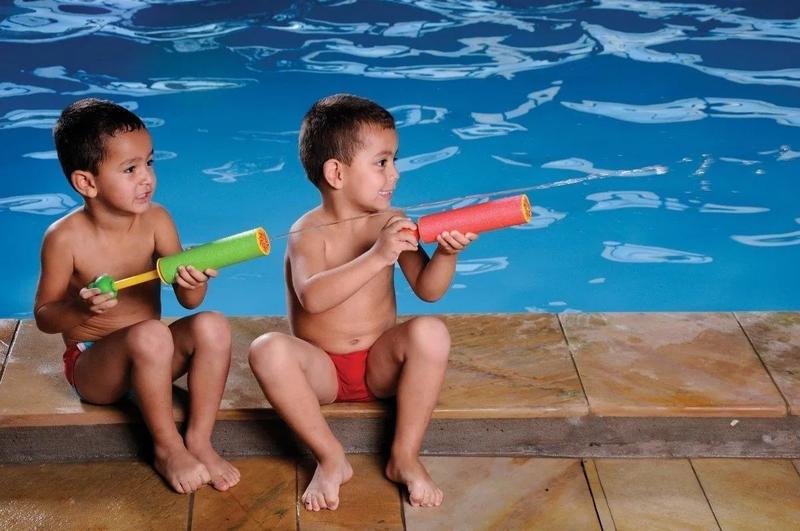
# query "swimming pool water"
(658, 141)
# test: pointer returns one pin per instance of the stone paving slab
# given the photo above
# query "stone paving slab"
(675, 364)
(110, 495)
(263, 499)
(367, 501)
(509, 366)
(506, 493)
(776, 338)
(656, 495)
(751, 493)
(599, 496)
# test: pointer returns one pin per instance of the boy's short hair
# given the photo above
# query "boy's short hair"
(330, 130)
(82, 129)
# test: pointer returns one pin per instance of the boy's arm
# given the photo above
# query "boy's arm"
(430, 278)
(53, 308)
(319, 290)
(190, 284)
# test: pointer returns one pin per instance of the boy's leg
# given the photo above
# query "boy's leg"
(203, 349)
(141, 357)
(410, 360)
(296, 378)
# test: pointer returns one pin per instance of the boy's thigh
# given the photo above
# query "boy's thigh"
(102, 372)
(277, 349)
(385, 360)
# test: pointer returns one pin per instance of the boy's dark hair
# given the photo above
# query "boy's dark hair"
(330, 131)
(82, 129)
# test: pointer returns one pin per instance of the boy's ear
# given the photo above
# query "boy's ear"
(332, 171)
(84, 182)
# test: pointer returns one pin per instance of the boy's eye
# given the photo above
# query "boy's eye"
(382, 163)
(130, 169)
(150, 162)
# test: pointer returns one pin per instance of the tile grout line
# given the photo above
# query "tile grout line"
(8, 351)
(296, 492)
(764, 365)
(602, 491)
(703, 490)
(574, 363)
(402, 507)
(191, 512)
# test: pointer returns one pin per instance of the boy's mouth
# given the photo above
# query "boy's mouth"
(386, 193)
(142, 198)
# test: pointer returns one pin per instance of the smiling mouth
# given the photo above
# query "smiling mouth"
(386, 193)
(144, 197)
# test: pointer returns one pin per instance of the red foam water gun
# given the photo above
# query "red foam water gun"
(506, 212)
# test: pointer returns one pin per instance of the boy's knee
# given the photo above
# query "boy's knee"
(211, 327)
(268, 351)
(430, 336)
(151, 340)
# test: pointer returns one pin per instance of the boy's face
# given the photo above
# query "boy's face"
(371, 177)
(125, 179)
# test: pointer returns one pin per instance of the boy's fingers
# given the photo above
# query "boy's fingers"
(195, 274)
(211, 273)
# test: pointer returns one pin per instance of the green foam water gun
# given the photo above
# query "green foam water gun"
(213, 255)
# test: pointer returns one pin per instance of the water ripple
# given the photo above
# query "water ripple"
(771, 240)
(641, 254)
(423, 159)
(42, 204)
(231, 171)
(689, 109)
(408, 115)
(479, 266)
(496, 124)
(585, 166)
(8, 89)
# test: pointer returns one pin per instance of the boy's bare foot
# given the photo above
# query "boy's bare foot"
(323, 491)
(422, 491)
(180, 469)
(223, 474)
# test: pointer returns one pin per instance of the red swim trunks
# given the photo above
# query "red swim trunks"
(351, 371)
(71, 358)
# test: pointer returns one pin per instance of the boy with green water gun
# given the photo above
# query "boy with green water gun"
(115, 344)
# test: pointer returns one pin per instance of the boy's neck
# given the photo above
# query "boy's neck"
(105, 220)
(336, 210)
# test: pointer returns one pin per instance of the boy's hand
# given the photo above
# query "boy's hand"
(96, 301)
(453, 242)
(190, 278)
(396, 237)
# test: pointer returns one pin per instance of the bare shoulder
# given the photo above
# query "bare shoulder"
(303, 234)
(68, 230)
(157, 215)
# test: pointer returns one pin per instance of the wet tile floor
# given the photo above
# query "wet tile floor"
(501, 366)
(480, 493)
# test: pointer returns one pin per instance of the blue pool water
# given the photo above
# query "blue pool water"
(658, 141)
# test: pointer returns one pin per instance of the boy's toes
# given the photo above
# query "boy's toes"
(331, 502)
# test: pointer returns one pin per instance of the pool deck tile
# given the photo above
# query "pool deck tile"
(34, 391)
(110, 495)
(508, 366)
(654, 494)
(751, 493)
(776, 338)
(367, 501)
(506, 493)
(7, 329)
(263, 499)
(669, 364)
